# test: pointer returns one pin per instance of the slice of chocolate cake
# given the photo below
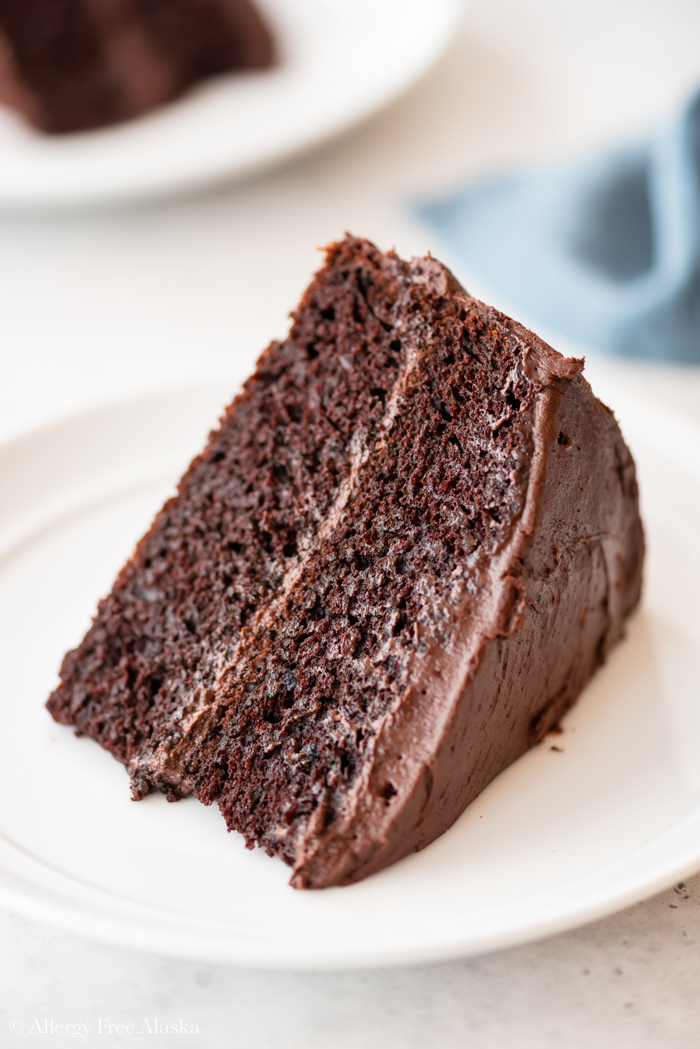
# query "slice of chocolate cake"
(72, 65)
(399, 559)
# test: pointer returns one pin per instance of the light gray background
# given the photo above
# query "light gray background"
(108, 304)
(629, 981)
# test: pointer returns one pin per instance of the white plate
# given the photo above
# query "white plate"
(558, 839)
(340, 60)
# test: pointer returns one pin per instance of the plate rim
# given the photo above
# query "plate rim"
(35, 901)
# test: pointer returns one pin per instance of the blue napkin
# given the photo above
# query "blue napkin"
(607, 252)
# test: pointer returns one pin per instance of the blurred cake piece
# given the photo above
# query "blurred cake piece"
(73, 65)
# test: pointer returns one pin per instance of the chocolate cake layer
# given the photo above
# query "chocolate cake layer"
(73, 65)
(200, 38)
(401, 556)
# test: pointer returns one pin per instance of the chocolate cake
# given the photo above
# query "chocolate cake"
(72, 65)
(409, 544)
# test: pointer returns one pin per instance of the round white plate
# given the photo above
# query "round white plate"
(563, 836)
(340, 60)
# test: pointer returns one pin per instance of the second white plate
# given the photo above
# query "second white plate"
(340, 60)
(558, 839)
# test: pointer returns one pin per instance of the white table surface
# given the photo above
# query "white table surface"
(103, 305)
